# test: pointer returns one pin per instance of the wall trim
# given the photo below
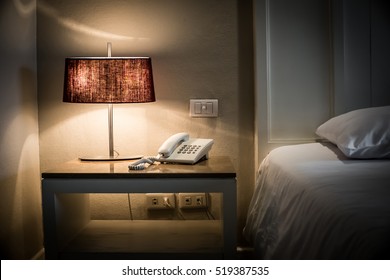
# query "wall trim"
(331, 93)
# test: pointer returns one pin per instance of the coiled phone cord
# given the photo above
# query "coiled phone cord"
(141, 163)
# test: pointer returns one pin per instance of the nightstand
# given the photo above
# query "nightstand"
(69, 232)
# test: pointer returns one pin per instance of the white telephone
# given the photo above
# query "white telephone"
(181, 149)
(178, 148)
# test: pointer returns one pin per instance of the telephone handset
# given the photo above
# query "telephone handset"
(178, 148)
(171, 143)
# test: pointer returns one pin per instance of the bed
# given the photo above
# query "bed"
(323, 201)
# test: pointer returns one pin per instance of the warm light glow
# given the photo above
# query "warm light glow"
(77, 26)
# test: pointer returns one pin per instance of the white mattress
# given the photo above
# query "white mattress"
(311, 202)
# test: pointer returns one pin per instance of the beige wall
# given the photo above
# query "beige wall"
(20, 207)
(199, 49)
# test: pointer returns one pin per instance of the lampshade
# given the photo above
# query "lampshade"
(108, 80)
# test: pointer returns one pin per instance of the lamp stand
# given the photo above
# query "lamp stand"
(111, 155)
(110, 131)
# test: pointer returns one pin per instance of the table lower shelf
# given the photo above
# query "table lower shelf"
(139, 238)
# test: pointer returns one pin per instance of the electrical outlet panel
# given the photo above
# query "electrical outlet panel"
(192, 200)
(160, 201)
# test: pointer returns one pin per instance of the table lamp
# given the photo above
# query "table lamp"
(108, 80)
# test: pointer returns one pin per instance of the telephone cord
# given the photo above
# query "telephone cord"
(141, 163)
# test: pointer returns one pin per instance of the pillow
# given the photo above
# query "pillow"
(363, 133)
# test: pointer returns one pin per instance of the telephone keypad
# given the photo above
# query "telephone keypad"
(188, 149)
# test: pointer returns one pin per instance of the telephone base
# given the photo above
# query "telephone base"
(109, 158)
(175, 161)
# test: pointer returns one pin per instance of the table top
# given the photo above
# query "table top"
(214, 167)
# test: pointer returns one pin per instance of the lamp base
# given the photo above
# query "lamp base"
(109, 158)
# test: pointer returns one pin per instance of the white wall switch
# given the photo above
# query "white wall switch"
(204, 108)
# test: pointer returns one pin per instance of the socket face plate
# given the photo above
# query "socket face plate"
(160, 201)
(192, 200)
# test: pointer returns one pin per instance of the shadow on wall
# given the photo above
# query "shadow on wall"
(20, 212)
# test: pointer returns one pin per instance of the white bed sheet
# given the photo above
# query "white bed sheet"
(311, 202)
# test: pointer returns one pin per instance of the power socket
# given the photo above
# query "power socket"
(160, 201)
(192, 200)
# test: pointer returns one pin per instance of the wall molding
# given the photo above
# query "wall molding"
(269, 90)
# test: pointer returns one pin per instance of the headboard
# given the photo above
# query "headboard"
(311, 65)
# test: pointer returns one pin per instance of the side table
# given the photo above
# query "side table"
(69, 232)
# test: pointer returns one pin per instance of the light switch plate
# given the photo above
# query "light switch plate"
(204, 108)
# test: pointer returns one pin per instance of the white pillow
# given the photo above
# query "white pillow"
(363, 133)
